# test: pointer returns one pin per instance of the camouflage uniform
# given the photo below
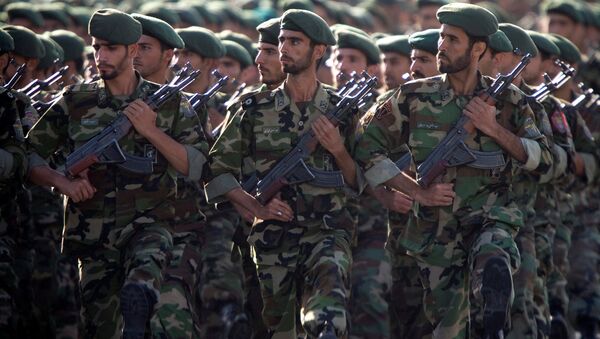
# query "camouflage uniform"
(302, 265)
(452, 244)
(12, 222)
(121, 235)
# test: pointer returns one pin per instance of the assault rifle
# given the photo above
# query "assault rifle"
(587, 99)
(36, 86)
(104, 147)
(551, 85)
(452, 150)
(292, 169)
(15, 78)
(200, 99)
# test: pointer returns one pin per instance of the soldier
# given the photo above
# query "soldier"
(156, 49)
(28, 50)
(22, 14)
(73, 47)
(354, 52)
(13, 169)
(396, 60)
(426, 9)
(267, 59)
(565, 18)
(466, 253)
(116, 221)
(422, 55)
(52, 60)
(234, 64)
(498, 54)
(302, 253)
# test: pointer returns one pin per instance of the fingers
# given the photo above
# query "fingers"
(279, 210)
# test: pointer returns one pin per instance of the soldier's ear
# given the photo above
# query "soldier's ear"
(479, 48)
(133, 50)
(319, 51)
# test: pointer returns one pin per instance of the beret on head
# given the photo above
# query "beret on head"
(241, 39)
(159, 30)
(297, 4)
(55, 12)
(499, 42)
(237, 52)
(81, 15)
(569, 8)
(308, 23)
(395, 44)
(363, 43)
(426, 40)
(115, 27)
(423, 3)
(70, 42)
(544, 43)
(568, 51)
(475, 20)
(24, 10)
(159, 10)
(27, 43)
(7, 43)
(519, 38)
(53, 52)
(269, 31)
(202, 41)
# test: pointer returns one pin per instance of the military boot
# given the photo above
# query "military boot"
(235, 322)
(137, 302)
(496, 289)
(328, 332)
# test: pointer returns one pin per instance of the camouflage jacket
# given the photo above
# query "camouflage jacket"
(419, 116)
(82, 112)
(263, 131)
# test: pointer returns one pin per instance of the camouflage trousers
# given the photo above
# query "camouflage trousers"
(544, 238)
(557, 279)
(522, 317)
(452, 293)
(371, 274)
(584, 277)
(139, 256)
(306, 269)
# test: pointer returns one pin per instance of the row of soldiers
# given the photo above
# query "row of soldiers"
(155, 258)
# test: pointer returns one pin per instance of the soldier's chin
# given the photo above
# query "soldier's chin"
(108, 75)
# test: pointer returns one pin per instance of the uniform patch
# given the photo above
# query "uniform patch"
(384, 110)
(89, 122)
(269, 130)
(427, 125)
(531, 130)
(559, 123)
(150, 152)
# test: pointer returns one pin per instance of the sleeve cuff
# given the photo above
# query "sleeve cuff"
(381, 172)
(534, 152)
(219, 186)
(590, 166)
(7, 162)
(196, 161)
(361, 184)
(561, 161)
(36, 160)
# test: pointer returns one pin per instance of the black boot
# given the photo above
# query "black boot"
(235, 322)
(137, 302)
(327, 332)
(588, 327)
(496, 290)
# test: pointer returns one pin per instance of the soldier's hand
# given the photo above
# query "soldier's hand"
(482, 116)
(393, 200)
(142, 117)
(244, 212)
(436, 195)
(328, 135)
(276, 209)
(78, 189)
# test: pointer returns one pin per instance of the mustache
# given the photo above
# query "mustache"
(105, 65)
(417, 75)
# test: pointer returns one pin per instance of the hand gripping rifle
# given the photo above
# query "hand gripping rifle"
(452, 151)
(551, 85)
(104, 147)
(15, 78)
(292, 169)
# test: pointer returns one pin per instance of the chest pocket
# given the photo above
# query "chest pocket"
(88, 125)
(271, 144)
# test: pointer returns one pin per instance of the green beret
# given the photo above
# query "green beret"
(348, 39)
(308, 23)
(544, 43)
(426, 40)
(207, 15)
(27, 43)
(519, 38)
(202, 41)
(343, 27)
(241, 39)
(24, 10)
(499, 42)
(188, 15)
(54, 12)
(568, 51)
(7, 43)
(379, 35)
(160, 11)
(423, 3)
(501, 14)
(81, 15)
(53, 52)
(395, 44)
(70, 42)
(159, 30)
(115, 27)
(269, 31)
(565, 7)
(237, 52)
(475, 20)
(297, 4)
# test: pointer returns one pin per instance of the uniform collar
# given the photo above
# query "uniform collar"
(482, 84)
(320, 100)
(140, 91)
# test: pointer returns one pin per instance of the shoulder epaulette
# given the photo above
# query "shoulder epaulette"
(427, 85)
(258, 98)
(79, 88)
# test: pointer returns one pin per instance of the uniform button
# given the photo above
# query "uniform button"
(301, 123)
